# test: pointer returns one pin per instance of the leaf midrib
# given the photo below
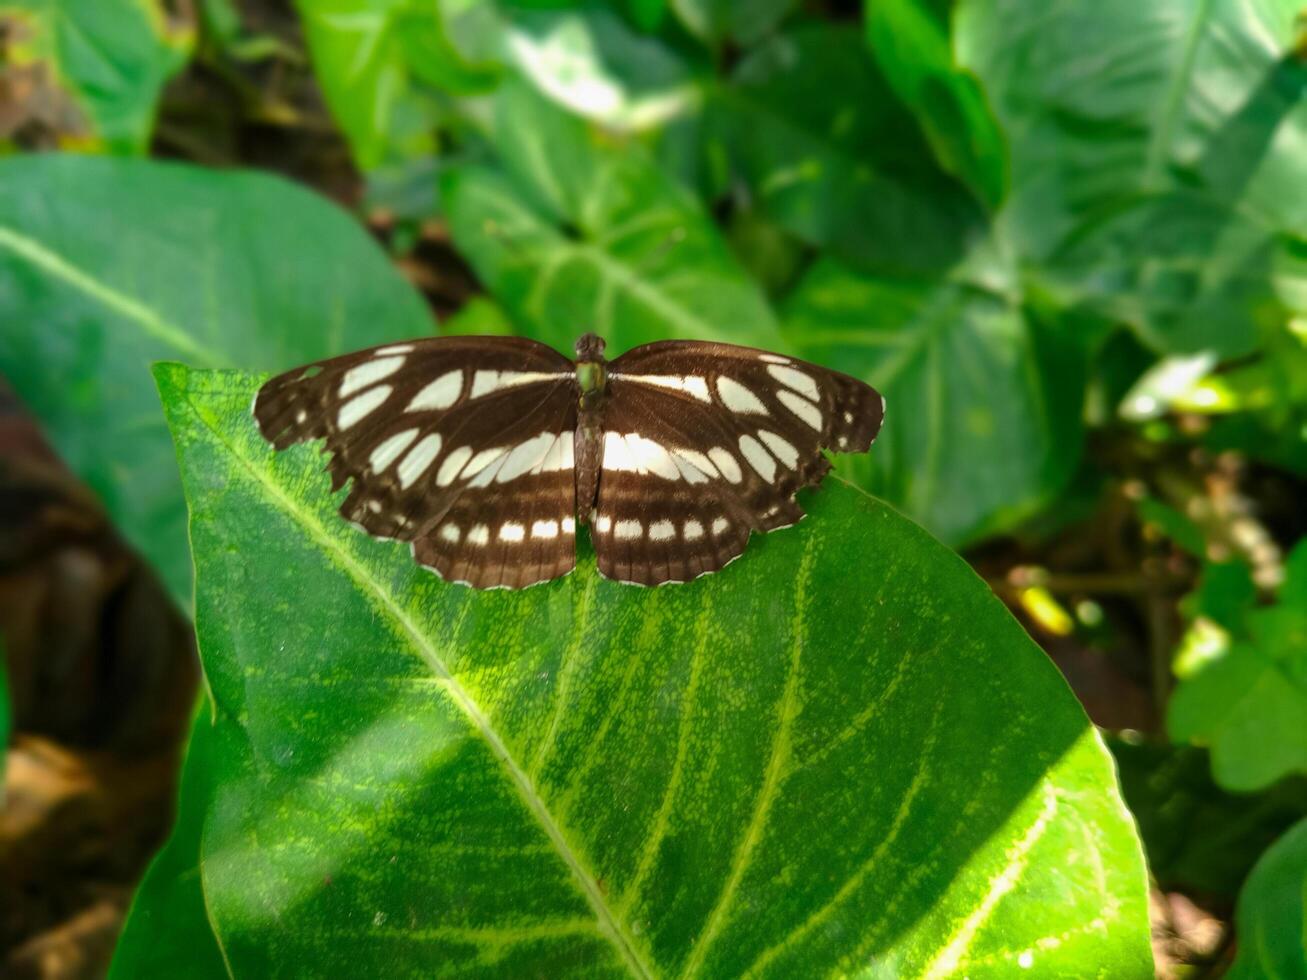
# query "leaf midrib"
(609, 922)
(147, 319)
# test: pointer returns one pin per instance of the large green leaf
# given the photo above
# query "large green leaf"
(1272, 914)
(575, 235)
(983, 413)
(812, 128)
(95, 67)
(841, 754)
(913, 47)
(1248, 703)
(1158, 155)
(107, 265)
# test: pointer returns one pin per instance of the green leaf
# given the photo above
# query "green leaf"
(1249, 703)
(100, 63)
(815, 132)
(969, 377)
(107, 265)
(742, 21)
(791, 766)
(1272, 913)
(167, 932)
(478, 317)
(583, 235)
(1157, 156)
(912, 45)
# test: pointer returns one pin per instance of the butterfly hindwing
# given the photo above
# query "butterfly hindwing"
(705, 443)
(461, 446)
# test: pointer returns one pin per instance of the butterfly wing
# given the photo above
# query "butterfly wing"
(705, 443)
(461, 446)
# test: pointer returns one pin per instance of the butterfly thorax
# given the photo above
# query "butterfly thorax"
(592, 393)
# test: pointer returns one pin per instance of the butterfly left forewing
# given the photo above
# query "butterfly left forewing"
(452, 444)
(706, 443)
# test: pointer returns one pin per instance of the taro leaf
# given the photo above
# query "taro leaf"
(983, 419)
(92, 69)
(107, 265)
(1158, 155)
(912, 45)
(839, 754)
(579, 235)
(1249, 703)
(815, 132)
(1272, 913)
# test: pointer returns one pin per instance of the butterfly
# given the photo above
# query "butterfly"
(485, 453)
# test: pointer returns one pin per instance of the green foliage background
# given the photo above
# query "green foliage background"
(974, 206)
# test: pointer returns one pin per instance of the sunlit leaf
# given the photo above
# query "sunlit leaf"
(91, 71)
(786, 767)
(969, 379)
(107, 265)
(575, 235)
(1157, 156)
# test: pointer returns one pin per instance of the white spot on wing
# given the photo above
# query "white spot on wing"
(569, 525)
(794, 378)
(395, 349)
(418, 459)
(662, 531)
(801, 407)
(603, 524)
(691, 384)
(781, 449)
(450, 533)
(725, 462)
(774, 359)
(633, 453)
(477, 465)
(625, 530)
(544, 529)
(439, 394)
(448, 471)
(388, 451)
(511, 531)
(368, 373)
(758, 458)
(487, 382)
(693, 530)
(479, 535)
(526, 456)
(720, 525)
(362, 406)
(738, 398)
(695, 467)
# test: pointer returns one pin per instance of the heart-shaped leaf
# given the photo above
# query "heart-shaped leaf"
(1272, 911)
(840, 754)
(107, 265)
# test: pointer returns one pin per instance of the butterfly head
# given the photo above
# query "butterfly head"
(590, 347)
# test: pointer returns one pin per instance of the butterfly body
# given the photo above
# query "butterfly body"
(485, 453)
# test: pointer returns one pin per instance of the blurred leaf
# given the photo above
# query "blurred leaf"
(1225, 594)
(1180, 528)
(1198, 837)
(1272, 913)
(1249, 705)
(647, 14)
(1157, 156)
(742, 21)
(581, 235)
(1154, 393)
(969, 379)
(479, 316)
(912, 45)
(771, 255)
(107, 265)
(775, 767)
(827, 151)
(167, 932)
(371, 57)
(93, 69)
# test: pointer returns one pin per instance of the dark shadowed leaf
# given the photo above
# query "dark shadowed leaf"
(740, 21)
(829, 153)
(1272, 914)
(913, 47)
(841, 754)
(1157, 156)
(969, 378)
(575, 235)
(107, 265)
